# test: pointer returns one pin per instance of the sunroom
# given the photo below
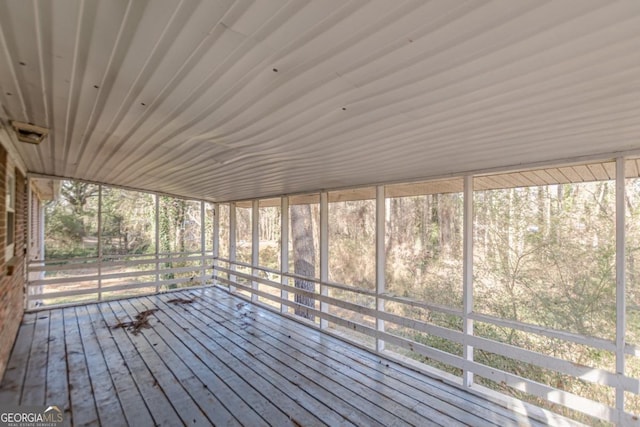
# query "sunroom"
(320, 212)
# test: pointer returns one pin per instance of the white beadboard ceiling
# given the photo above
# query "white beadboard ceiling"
(234, 99)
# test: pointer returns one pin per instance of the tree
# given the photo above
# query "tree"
(303, 255)
(171, 222)
(71, 221)
(77, 194)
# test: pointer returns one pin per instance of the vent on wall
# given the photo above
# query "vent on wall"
(29, 133)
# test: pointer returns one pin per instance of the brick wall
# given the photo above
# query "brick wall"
(11, 287)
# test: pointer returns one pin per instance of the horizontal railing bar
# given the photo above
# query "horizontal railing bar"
(160, 271)
(363, 291)
(59, 260)
(439, 331)
(105, 264)
(421, 304)
(354, 289)
(300, 291)
(266, 269)
(64, 280)
(294, 289)
(61, 294)
(424, 350)
(335, 285)
(593, 375)
(156, 260)
(150, 254)
(69, 280)
(52, 282)
(585, 373)
(567, 336)
(241, 264)
(554, 395)
(97, 301)
(95, 290)
(61, 267)
(301, 277)
(92, 290)
(402, 342)
(344, 287)
(550, 333)
(358, 327)
(632, 350)
(77, 259)
(551, 394)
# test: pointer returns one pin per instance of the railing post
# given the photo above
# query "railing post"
(621, 326)
(41, 235)
(467, 293)
(232, 244)
(99, 242)
(324, 253)
(284, 250)
(380, 261)
(216, 240)
(255, 245)
(203, 245)
(157, 243)
(27, 261)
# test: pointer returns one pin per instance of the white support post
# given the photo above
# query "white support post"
(255, 245)
(467, 272)
(26, 276)
(621, 326)
(157, 243)
(99, 242)
(380, 260)
(30, 214)
(216, 240)
(284, 250)
(232, 244)
(203, 245)
(41, 239)
(324, 254)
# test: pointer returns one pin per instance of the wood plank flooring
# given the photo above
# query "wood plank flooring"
(220, 360)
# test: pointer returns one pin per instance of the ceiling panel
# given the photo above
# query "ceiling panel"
(236, 99)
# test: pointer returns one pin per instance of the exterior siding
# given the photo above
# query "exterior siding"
(11, 287)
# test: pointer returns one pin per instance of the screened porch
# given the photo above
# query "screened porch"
(468, 280)
(438, 201)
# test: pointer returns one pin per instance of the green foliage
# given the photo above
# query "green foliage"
(65, 227)
(71, 221)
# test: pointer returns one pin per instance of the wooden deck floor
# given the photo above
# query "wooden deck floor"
(221, 361)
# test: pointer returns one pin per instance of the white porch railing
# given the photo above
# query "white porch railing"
(348, 315)
(74, 280)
